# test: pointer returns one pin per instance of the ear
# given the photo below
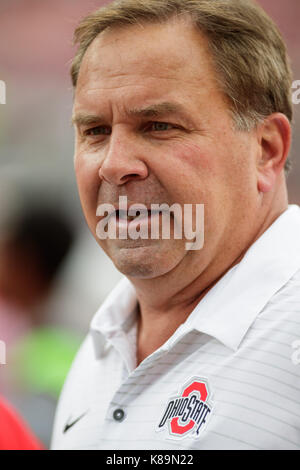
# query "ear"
(274, 136)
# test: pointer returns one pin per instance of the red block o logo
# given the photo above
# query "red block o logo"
(194, 387)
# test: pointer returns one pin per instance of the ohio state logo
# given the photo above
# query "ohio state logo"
(187, 413)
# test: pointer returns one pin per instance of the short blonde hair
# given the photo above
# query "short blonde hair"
(249, 54)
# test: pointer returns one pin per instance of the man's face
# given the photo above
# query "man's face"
(152, 125)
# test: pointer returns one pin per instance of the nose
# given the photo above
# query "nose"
(123, 161)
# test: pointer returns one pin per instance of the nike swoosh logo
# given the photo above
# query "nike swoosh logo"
(70, 425)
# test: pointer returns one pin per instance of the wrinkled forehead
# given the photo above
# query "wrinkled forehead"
(174, 49)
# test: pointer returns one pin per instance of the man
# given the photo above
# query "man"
(188, 103)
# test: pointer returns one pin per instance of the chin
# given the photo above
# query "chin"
(145, 261)
(142, 271)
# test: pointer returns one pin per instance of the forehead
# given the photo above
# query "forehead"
(137, 58)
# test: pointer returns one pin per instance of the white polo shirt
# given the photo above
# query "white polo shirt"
(228, 378)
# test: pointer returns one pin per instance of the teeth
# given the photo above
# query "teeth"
(121, 214)
(124, 215)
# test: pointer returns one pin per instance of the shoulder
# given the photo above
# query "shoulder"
(75, 384)
(275, 334)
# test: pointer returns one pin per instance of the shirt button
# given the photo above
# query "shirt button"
(119, 415)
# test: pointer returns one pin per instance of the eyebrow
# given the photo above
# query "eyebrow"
(82, 119)
(155, 110)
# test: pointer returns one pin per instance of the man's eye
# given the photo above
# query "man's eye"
(99, 130)
(160, 126)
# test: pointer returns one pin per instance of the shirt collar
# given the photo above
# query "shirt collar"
(231, 306)
(114, 314)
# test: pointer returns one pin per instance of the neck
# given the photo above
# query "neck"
(167, 301)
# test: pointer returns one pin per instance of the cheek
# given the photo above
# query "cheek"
(218, 162)
(194, 157)
(88, 181)
(196, 162)
(188, 171)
